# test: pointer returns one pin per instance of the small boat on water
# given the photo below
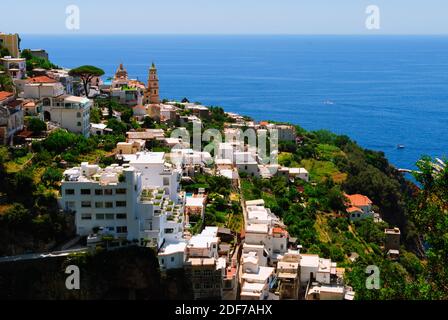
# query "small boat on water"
(400, 146)
(328, 102)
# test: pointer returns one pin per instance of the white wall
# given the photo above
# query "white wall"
(84, 227)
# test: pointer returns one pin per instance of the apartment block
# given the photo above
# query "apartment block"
(115, 201)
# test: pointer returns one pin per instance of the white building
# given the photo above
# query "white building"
(359, 207)
(309, 264)
(190, 161)
(15, 67)
(156, 172)
(187, 156)
(245, 162)
(98, 129)
(11, 116)
(115, 200)
(285, 132)
(225, 151)
(70, 112)
(263, 228)
(256, 279)
(62, 76)
(299, 173)
(41, 87)
(42, 90)
(205, 269)
(172, 255)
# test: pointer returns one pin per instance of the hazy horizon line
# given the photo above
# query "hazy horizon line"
(237, 34)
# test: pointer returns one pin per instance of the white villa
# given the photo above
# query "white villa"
(116, 201)
(69, 112)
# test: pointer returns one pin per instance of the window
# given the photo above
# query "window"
(85, 191)
(98, 204)
(109, 204)
(100, 216)
(172, 259)
(207, 273)
(121, 216)
(163, 261)
(108, 192)
(166, 181)
(86, 216)
(86, 204)
(109, 216)
(98, 192)
(69, 191)
(120, 203)
(78, 114)
(120, 191)
(123, 229)
(78, 124)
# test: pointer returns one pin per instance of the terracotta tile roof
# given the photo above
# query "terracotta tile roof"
(278, 230)
(358, 200)
(41, 79)
(5, 95)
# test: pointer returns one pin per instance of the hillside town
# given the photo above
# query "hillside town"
(154, 187)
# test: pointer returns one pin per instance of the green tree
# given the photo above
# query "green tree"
(36, 126)
(148, 123)
(51, 176)
(117, 126)
(6, 83)
(429, 213)
(86, 74)
(17, 215)
(95, 115)
(59, 140)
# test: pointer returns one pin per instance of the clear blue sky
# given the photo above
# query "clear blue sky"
(226, 16)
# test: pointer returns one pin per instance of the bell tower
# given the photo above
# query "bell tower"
(152, 92)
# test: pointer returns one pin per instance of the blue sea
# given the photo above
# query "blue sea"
(380, 90)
